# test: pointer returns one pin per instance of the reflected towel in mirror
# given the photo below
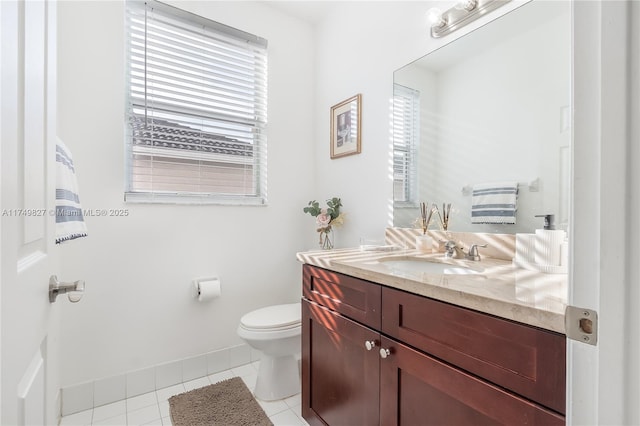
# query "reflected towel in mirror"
(494, 203)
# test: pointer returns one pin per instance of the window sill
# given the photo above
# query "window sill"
(191, 199)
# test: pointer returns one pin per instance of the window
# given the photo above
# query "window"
(196, 109)
(406, 139)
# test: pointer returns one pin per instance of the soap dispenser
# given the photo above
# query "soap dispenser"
(548, 242)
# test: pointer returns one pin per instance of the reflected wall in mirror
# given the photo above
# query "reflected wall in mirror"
(491, 106)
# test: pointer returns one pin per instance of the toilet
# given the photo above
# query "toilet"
(275, 330)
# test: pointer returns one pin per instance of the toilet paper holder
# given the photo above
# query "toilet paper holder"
(206, 288)
(74, 290)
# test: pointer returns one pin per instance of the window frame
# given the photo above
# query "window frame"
(252, 125)
(406, 140)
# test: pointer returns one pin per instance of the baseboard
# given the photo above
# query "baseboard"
(87, 395)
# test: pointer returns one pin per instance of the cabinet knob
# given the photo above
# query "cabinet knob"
(384, 353)
(370, 344)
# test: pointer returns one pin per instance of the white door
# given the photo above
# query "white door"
(603, 380)
(29, 323)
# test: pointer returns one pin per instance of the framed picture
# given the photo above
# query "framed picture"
(345, 127)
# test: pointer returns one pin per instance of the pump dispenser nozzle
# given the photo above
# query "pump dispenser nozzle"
(549, 220)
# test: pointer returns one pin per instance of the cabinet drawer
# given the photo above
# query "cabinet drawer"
(435, 393)
(524, 359)
(352, 297)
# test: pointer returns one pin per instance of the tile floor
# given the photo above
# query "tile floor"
(153, 408)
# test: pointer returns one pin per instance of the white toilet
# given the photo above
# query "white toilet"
(275, 330)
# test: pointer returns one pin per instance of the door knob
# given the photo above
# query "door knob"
(370, 344)
(74, 290)
(384, 353)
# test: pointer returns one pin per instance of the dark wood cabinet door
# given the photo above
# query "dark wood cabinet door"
(354, 298)
(340, 377)
(526, 360)
(416, 389)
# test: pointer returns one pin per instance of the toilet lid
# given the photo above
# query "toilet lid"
(276, 316)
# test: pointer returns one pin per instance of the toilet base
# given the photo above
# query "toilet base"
(278, 378)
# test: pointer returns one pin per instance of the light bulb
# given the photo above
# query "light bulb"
(467, 5)
(434, 15)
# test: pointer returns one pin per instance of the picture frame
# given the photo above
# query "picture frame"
(346, 119)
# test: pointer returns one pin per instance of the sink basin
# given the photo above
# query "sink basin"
(426, 266)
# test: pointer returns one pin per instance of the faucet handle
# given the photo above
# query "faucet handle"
(473, 252)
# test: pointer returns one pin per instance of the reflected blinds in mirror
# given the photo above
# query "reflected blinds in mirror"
(406, 139)
(196, 110)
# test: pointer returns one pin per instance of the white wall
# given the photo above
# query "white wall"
(360, 45)
(138, 310)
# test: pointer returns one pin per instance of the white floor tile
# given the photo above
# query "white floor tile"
(166, 393)
(294, 400)
(164, 408)
(156, 422)
(244, 370)
(273, 407)
(141, 401)
(119, 420)
(143, 415)
(197, 383)
(152, 408)
(298, 410)
(285, 418)
(110, 410)
(250, 381)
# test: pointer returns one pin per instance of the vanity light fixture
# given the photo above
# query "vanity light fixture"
(464, 12)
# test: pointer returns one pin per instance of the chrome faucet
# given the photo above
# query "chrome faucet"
(473, 252)
(452, 250)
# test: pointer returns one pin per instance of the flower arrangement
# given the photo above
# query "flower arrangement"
(326, 219)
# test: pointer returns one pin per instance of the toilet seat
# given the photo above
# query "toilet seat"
(273, 318)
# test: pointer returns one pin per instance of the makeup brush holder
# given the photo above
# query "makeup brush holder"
(424, 243)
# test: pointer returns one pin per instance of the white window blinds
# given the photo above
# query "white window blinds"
(196, 110)
(406, 139)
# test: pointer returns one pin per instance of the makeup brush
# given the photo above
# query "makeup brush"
(435, 207)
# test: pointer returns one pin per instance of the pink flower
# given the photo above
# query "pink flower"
(323, 219)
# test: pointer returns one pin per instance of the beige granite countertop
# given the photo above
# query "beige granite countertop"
(499, 288)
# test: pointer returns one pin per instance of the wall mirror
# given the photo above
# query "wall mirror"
(491, 106)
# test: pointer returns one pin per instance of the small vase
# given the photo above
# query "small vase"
(326, 239)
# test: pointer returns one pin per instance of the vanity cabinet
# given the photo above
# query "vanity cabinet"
(374, 355)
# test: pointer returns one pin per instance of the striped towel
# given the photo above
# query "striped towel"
(494, 203)
(69, 219)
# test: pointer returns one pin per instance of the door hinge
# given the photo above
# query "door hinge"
(581, 324)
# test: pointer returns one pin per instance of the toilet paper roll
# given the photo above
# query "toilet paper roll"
(207, 289)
